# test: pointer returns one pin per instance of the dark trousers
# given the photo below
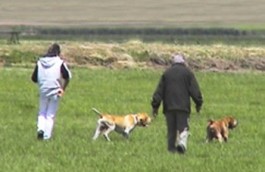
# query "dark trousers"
(176, 122)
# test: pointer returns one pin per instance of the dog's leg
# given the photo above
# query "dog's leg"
(106, 136)
(207, 140)
(127, 132)
(210, 135)
(99, 128)
(97, 132)
(207, 136)
(126, 135)
(225, 134)
(220, 137)
(106, 133)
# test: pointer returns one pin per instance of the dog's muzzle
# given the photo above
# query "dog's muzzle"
(233, 125)
(142, 124)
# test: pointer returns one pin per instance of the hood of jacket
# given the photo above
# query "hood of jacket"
(48, 62)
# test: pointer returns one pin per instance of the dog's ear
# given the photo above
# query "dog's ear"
(210, 122)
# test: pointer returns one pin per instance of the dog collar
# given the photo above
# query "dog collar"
(135, 119)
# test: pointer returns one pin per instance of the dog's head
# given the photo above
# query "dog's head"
(143, 119)
(231, 122)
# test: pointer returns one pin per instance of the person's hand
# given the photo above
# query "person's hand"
(198, 108)
(154, 112)
(60, 92)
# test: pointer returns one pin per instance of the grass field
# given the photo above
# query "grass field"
(138, 13)
(128, 91)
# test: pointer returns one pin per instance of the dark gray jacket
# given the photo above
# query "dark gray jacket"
(176, 86)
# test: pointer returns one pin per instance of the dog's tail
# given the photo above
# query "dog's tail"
(97, 112)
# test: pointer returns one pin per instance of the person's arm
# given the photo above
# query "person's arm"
(66, 75)
(195, 93)
(34, 76)
(157, 97)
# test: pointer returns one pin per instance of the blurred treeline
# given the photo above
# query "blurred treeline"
(168, 35)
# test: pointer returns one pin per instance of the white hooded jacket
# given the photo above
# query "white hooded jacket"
(49, 75)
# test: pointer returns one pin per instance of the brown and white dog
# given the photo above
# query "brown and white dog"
(219, 129)
(121, 124)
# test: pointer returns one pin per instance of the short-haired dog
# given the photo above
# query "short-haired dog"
(123, 124)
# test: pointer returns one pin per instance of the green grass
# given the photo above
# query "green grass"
(121, 92)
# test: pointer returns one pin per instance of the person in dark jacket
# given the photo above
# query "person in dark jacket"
(176, 87)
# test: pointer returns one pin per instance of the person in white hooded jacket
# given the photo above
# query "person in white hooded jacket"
(52, 75)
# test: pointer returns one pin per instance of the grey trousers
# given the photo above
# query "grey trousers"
(177, 122)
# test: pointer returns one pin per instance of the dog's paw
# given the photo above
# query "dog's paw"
(126, 135)
(106, 137)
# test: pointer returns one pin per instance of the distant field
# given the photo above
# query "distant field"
(137, 13)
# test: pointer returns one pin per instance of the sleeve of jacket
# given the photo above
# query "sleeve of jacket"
(34, 76)
(66, 74)
(195, 91)
(158, 94)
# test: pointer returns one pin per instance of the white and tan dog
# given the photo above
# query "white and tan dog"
(121, 124)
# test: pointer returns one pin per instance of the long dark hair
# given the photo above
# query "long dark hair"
(53, 50)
